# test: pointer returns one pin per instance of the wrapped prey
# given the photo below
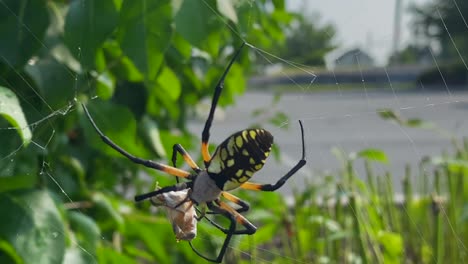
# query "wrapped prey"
(180, 212)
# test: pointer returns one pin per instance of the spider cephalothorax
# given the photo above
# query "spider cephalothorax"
(232, 165)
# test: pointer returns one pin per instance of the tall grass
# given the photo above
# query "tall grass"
(343, 219)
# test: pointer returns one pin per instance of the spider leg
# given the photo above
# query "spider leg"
(234, 217)
(147, 163)
(177, 148)
(219, 87)
(244, 206)
(249, 227)
(229, 232)
(282, 180)
(177, 187)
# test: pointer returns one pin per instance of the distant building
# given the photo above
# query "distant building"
(354, 58)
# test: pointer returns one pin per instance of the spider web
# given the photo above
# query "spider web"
(348, 120)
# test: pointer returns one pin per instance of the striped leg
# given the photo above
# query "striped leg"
(244, 206)
(240, 219)
(235, 218)
(282, 180)
(173, 188)
(147, 163)
(217, 93)
(177, 148)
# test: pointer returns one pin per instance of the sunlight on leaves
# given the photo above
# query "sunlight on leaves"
(374, 155)
(10, 109)
(226, 8)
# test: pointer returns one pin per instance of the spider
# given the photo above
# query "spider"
(231, 166)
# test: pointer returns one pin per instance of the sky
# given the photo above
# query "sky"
(365, 24)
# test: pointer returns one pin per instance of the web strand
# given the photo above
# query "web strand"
(313, 118)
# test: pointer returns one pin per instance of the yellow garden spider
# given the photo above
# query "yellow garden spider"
(233, 163)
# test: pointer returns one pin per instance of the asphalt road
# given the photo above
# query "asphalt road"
(349, 121)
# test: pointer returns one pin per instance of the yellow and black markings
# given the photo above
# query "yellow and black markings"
(239, 157)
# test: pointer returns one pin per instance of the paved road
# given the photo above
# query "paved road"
(349, 121)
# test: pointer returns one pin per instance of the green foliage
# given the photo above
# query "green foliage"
(67, 198)
(445, 22)
(32, 227)
(141, 67)
(10, 109)
(24, 22)
(338, 219)
(307, 43)
(411, 54)
(389, 114)
(442, 22)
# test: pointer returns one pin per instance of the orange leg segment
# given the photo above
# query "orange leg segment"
(205, 153)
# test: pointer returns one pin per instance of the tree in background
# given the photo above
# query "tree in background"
(442, 27)
(445, 23)
(412, 54)
(306, 42)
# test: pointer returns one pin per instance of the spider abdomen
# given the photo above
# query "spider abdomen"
(239, 157)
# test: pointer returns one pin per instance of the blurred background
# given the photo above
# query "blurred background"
(381, 87)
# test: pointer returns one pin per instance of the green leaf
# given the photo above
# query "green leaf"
(10, 109)
(392, 244)
(145, 33)
(109, 255)
(388, 114)
(191, 22)
(105, 85)
(123, 67)
(168, 139)
(234, 84)
(151, 131)
(76, 255)
(183, 48)
(22, 25)
(415, 122)
(139, 253)
(8, 253)
(86, 231)
(147, 233)
(109, 218)
(56, 83)
(454, 165)
(373, 154)
(279, 4)
(118, 124)
(87, 25)
(32, 225)
(159, 101)
(169, 82)
(276, 152)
